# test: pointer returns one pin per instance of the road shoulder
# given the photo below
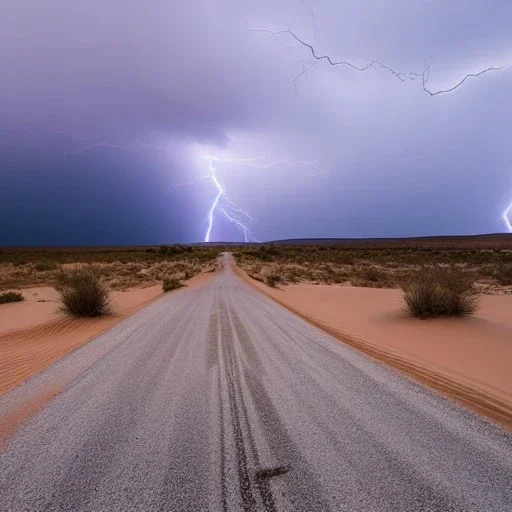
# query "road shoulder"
(457, 371)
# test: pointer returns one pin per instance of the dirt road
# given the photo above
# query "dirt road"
(218, 399)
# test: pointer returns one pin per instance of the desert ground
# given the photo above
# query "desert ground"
(37, 332)
(217, 398)
(279, 377)
(349, 287)
(381, 264)
(353, 291)
(122, 268)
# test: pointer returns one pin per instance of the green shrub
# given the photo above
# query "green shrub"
(82, 293)
(435, 292)
(171, 283)
(11, 297)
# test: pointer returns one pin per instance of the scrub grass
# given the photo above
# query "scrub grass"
(82, 292)
(377, 265)
(436, 292)
(273, 279)
(11, 297)
(122, 268)
(171, 283)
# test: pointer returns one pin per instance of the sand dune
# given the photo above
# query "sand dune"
(466, 358)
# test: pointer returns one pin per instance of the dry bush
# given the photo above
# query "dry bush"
(171, 283)
(11, 297)
(273, 279)
(504, 274)
(82, 292)
(438, 291)
(45, 265)
(374, 264)
(122, 267)
(372, 277)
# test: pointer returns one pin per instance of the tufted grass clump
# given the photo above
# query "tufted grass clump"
(274, 279)
(171, 283)
(11, 297)
(82, 292)
(436, 292)
(504, 274)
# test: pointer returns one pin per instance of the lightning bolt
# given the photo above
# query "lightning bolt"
(375, 64)
(229, 209)
(221, 203)
(506, 216)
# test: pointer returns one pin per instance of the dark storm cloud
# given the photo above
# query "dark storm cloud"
(168, 72)
(51, 195)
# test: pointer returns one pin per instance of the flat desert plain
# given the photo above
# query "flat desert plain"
(353, 291)
(37, 332)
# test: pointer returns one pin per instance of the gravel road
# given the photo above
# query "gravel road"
(218, 399)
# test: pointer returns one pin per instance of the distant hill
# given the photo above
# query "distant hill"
(499, 241)
(493, 241)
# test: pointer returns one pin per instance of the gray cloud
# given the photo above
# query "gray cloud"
(177, 73)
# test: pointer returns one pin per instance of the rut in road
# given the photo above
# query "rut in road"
(240, 370)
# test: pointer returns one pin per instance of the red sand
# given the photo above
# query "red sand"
(466, 358)
(33, 334)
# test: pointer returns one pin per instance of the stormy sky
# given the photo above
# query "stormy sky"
(112, 112)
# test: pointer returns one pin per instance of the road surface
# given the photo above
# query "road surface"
(218, 399)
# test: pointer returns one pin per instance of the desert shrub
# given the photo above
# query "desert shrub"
(175, 250)
(504, 274)
(273, 279)
(171, 283)
(438, 291)
(82, 292)
(45, 265)
(11, 297)
(372, 277)
(371, 274)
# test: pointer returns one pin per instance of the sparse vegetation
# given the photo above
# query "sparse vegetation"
(273, 279)
(121, 268)
(171, 283)
(504, 274)
(82, 292)
(439, 291)
(11, 297)
(45, 265)
(371, 277)
(369, 263)
(378, 264)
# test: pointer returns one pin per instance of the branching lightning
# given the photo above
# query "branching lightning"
(424, 76)
(224, 206)
(376, 64)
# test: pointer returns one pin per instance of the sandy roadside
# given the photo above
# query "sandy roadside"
(467, 359)
(36, 333)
